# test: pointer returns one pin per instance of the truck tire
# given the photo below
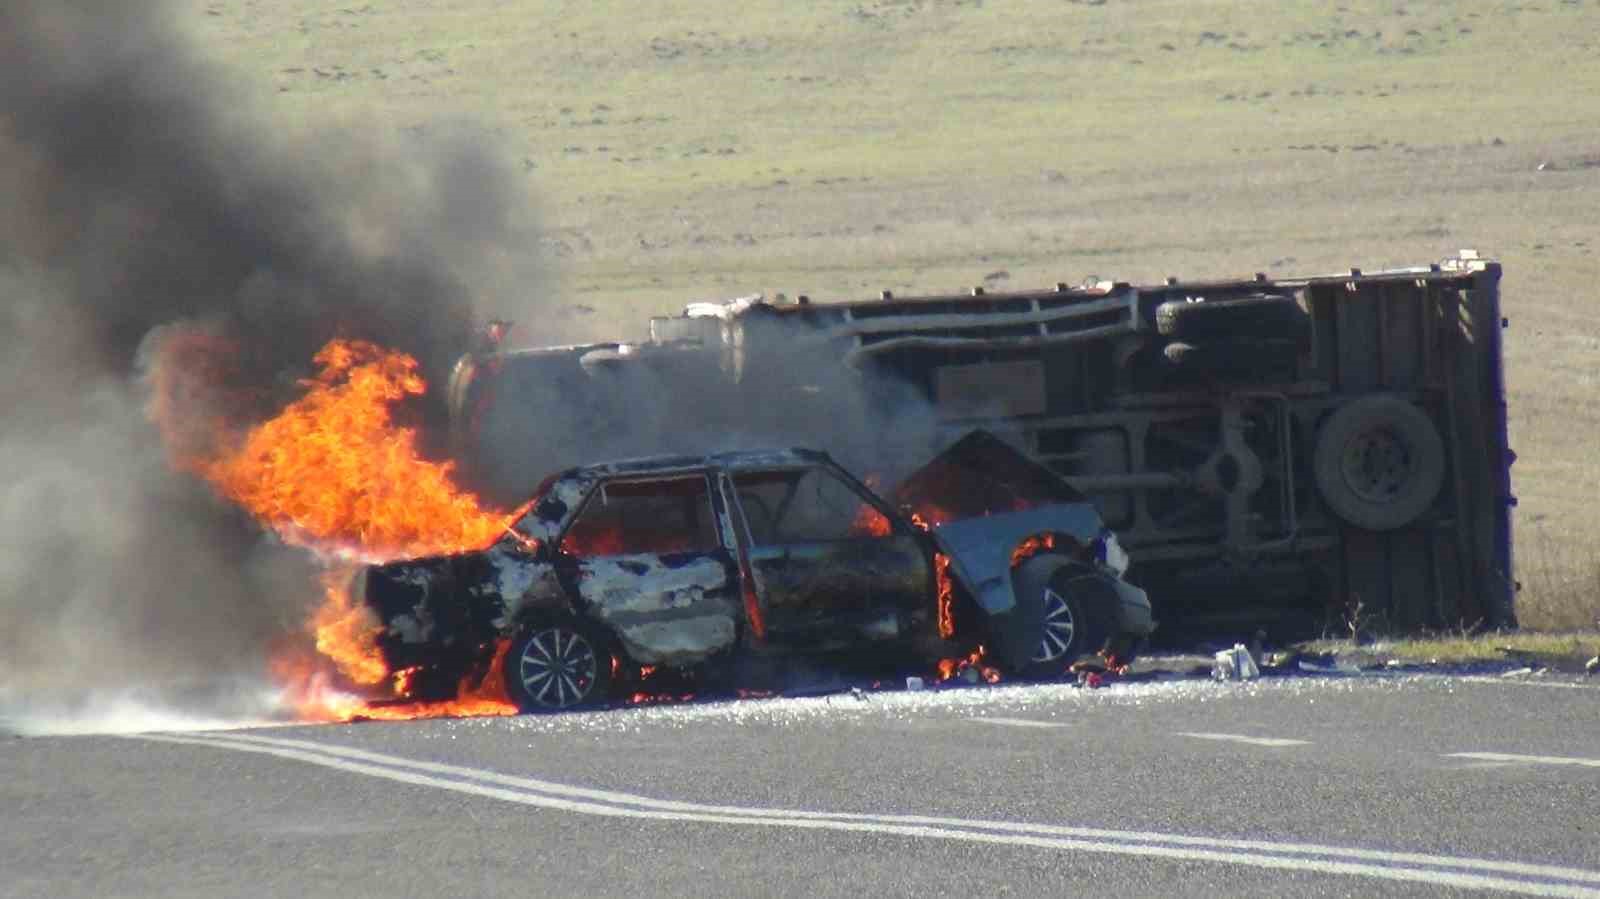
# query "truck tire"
(1234, 357)
(1059, 617)
(1379, 462)
(1264, 316)
(558, 663)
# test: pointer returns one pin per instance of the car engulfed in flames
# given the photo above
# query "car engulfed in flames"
(644, 581)
(984, 561)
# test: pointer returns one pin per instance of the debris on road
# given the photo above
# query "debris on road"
(1332, 667)
(1097, 671)
(1235, 664)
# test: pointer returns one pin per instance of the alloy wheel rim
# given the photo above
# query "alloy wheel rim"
(1058, 627)
(557, 668)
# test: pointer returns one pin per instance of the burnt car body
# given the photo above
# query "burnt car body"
(681, 561)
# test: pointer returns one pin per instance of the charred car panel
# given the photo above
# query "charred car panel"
(863, 587)
(411, 598)
(671, 610)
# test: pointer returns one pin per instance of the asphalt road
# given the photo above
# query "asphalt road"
(1307, 786)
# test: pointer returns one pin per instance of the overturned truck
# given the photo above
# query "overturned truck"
(1305, 455)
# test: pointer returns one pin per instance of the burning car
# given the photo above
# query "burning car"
(684, 561)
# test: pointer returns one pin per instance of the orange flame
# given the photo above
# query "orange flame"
(1031, 547)
(403, 678)
(333, 472)
(941, 573)
(929, 516)
(659, 698)
(869, 522)
(947, 594)
(953, 668)
(347, 631)
(315, 699)
(345, 634)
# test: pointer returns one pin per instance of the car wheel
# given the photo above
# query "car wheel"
(1061, 627)
(1379, 462)
(558, 664)
(1059, 617)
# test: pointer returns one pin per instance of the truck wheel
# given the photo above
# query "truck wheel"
(1060, 616)
(558, 663)
(1263, 315)
(1238, 357)
(1379, 462)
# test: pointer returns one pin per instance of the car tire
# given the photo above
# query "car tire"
(558, 663)
(1263, 316)
(1060, 616)
(1379, 462)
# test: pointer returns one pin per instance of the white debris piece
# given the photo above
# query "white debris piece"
(1235, 664)
(723, 309)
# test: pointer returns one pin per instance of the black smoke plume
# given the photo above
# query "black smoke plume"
(143, 195)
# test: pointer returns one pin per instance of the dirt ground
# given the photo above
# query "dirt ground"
(679, 151)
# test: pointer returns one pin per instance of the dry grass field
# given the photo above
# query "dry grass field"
(682, 150)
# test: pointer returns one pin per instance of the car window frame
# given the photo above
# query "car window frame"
(897, 527)
(705, 474)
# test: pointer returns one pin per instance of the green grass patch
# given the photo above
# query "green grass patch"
(1567, 652)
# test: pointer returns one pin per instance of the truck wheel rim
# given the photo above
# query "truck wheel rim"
(557, 668)
(1058, 627)
(1377, 465)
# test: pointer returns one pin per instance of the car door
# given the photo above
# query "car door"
(830, 567)
(647, 559)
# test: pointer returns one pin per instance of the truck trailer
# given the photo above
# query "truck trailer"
(1307, 455)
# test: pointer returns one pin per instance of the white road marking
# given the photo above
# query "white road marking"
(1511, 759)
(1274, 742)
(1017, 722)
(1555, 685)
(1476, 766)
(1455, 871)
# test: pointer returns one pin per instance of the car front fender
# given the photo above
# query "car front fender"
(980, 549)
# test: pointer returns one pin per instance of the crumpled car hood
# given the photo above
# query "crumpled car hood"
(981, 475)
(981, 497)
